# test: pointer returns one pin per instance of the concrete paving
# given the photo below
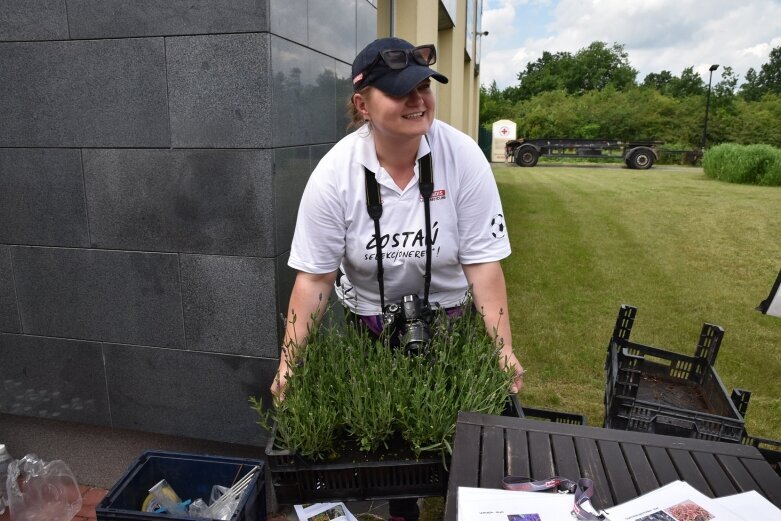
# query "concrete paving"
(100, 456)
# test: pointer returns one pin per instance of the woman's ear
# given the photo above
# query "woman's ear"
(360, 102)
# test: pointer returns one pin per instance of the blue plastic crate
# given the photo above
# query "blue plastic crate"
(191, 476)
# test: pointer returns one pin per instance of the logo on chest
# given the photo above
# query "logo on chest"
(436, 195)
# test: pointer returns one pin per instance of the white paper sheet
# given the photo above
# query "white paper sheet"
(324, 512)
(676, 501)
(484, 504)
(751, 505)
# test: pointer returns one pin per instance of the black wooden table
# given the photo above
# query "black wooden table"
(623, 464)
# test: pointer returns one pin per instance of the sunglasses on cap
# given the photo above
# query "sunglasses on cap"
(400, 58)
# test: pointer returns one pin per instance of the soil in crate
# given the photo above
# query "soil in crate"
(667, 390)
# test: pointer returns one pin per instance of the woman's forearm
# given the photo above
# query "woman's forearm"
(308, 301)
(490, 297)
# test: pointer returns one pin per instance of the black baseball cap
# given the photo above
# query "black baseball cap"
(369, 68)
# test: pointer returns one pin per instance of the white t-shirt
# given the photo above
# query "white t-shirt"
(334, 228)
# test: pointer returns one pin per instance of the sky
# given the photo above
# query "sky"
(657, 34)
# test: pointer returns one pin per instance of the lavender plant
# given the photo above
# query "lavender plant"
(346, 384)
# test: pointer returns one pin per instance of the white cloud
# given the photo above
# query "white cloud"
(657, 34)
(498, 22)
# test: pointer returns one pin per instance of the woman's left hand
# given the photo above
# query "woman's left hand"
(490, 295)
(507, 359)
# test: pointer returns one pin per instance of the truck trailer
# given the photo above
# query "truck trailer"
(640, 155)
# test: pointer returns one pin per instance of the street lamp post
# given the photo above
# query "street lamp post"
(707, 106)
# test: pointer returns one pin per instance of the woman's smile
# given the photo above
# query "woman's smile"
(414, 115)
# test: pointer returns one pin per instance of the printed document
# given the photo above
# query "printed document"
(323, 512)
(676, 501)
(485, 504)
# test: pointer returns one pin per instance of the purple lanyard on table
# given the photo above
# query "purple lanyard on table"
(582, 488)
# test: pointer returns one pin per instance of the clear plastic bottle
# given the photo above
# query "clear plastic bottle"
(5, 459)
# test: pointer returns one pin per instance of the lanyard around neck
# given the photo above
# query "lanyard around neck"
(374, 207)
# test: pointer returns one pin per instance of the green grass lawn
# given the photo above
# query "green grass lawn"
(682, 248)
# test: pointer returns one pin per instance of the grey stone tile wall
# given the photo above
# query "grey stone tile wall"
(53, 378)
(290, 20)
(366, 25)
(332, 28)
(120, 18)
(338, 28)
(317, 152)
(127, 297)
(199, 395)
(344, 91)
(9, 313)
(33, 20)
(98, 93)
(305, 95)
(229, 304)
(42, 197)
(152, 157)
(218, 88)
(291, 172)
(194, 201)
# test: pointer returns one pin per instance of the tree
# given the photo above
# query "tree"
(659, 81)
(493, 104)
(724, 94)
(768, 80)
(751, 90)
(587, 95)
(726, 87)
(689, 84)
(545, 74)
(597, 66)
(591, 68)
(770, 74)
(492, 90)
(756, 122)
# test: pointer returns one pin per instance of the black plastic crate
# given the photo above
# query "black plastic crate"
(554, 416)
(516, 410)
(358, 476)
(770, 449)
(191, 476)
(653, 390)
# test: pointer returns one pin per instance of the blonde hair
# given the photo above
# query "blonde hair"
(353, 114)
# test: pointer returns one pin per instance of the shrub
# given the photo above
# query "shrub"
(747, 164)
(772, 176)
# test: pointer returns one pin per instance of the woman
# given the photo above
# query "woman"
(456, 242)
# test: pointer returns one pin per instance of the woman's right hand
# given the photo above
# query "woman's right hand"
(307, 301)
(279, 383)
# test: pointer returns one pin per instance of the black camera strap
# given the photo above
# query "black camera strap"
(374, 207)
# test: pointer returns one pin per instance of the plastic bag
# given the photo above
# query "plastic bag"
(198, 509)
(168, 498)
(217, 492)
(39, 491)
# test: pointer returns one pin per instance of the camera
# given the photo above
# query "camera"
(409, 323)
